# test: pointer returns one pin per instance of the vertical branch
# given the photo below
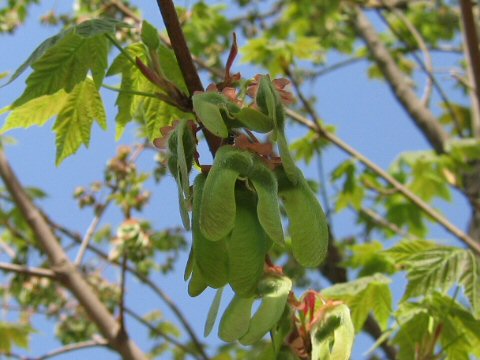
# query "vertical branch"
(185, 60)
(473, 61)
(422, 116)
(66, 272)
(179, 45)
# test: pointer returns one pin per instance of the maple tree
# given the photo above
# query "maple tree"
(256, 220)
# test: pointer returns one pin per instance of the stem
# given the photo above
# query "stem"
(131, 92)
(159, 332)
(121, 49)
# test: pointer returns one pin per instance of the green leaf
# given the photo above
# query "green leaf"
(170, 69)
(75, 120)
(369, 293)
(212, 313)
(100, 26)
(332, 338)
(470, 280)
(406, 249)
(36, 112)
(14, 335)
(150, 36)
(274, 292)
(370, 258)
(235, 319)
(36, 54)
(65, 65)
(433, 267)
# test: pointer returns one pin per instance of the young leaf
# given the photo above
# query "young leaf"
(274, 292)
(213, 312)
(65, 65)
(332, 338)
(75, 120)
(236, 319)
(369, 293)
(150, 36)
(35, 112)
(210, 116)
(36, 54)
(14, 335)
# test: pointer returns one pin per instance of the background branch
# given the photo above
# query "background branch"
(422, 116)
(26, 270)
(66, 272)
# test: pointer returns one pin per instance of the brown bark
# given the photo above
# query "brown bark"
(421, 115)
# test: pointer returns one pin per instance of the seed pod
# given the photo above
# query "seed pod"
(247, 246)
(274, 291)
(268, 210)
(210, 256)
(217, 210)
(308, 224)
(254, 120)
(180, 163)
(197, 283)
(235, 319)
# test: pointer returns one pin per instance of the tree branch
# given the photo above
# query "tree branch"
(65, 271)
(161, 333)
(184, 58)
(422, 116)
(425, 207)
(472, 57)
(72, 347)
(26, 270)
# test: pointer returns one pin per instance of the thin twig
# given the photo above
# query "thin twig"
(389, 72)
(421, 116)
(380, 220)
(123, 280)
(337, 66)
(26, 270)
(158, 331)
(99, 211)
(73, 347)
(156, 289)
(420, 203)
(427, 93)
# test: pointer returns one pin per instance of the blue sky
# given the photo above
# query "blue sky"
(364, 112)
